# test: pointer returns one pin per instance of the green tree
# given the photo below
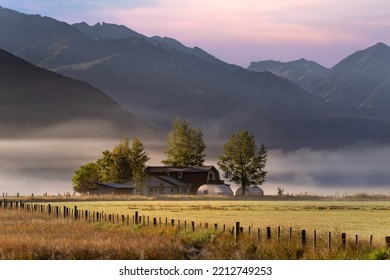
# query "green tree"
(185, 145)
(122, 168)
(138, 159)
(120, 165)
(242, 162)
(106, 167)
(86, 177)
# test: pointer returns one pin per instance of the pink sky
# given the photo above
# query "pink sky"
(240, 31)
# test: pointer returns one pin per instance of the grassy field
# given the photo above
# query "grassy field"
(364, 218)
(36, 235)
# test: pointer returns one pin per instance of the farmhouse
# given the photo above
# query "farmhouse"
(195, 176)
(168, 180)
(153, 185)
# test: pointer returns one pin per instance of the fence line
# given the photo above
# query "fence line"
(137, 220)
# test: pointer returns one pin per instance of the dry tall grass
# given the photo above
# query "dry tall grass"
(36, 236)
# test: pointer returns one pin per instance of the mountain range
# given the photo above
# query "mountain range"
(359, 84)
(158, 79)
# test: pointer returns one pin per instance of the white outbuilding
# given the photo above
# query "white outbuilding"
(215, 189)
(251, 190)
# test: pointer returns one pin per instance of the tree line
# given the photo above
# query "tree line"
(242, 161)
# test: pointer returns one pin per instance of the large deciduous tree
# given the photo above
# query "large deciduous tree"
(242, 161)
(185, 145)
(86, 177)
(122, 164)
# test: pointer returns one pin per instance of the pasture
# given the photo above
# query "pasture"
(38, 233)
(364, 218)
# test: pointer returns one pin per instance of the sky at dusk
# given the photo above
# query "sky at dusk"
(239, 32)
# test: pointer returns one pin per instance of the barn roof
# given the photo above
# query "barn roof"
(189, 169)
(150, 181)
(174, 182)
(127, 185)
(165, 181)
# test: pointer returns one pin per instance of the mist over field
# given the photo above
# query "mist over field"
(47, 165)
(351, 170)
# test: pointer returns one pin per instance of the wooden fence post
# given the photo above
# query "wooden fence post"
(237, 230)
(303, 238)
(387, 239)
(136, 218)
(344, 239)
(75, 213)
(269, 233)
(315, 240)
(193, 225)
(330, 241)
(278, 234)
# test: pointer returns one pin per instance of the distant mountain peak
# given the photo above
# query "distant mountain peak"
(380, 45)
(302, 72)
(104, 30)
(379, 49)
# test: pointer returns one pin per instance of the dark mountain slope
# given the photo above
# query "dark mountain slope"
(361, 81)
(34, 100)
(19, 31)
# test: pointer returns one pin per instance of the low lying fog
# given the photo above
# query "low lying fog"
(38, 166)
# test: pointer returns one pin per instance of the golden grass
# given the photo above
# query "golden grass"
(32, 236)
(37, 236)
(364, 218)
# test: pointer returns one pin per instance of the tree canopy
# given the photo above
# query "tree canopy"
(122, 164)
(86, 177)
(242, 161)
(185, 145)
